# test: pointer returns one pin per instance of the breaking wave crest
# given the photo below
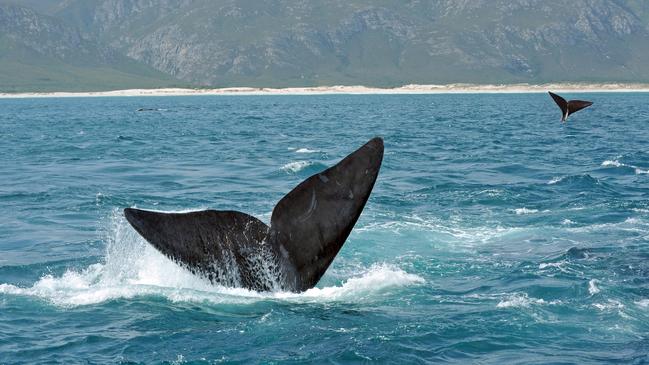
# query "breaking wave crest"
(522, 300)
(523, 211)
(306, 150)
(132, 268)
(616, 163)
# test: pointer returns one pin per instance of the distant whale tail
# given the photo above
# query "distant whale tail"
(307, 228)
(569, 107)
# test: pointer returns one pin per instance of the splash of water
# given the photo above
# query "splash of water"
(133, 268)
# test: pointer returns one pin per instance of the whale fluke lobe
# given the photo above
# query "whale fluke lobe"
(208, 242)
(313, 221)
(569, 107)
(562, 103)
(308, 228)
(577, 105)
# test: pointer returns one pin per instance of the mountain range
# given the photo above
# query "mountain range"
(81, 45)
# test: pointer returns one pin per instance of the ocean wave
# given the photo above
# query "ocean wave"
(562, 266)
(582, 180)
(522, 300)
(132, 268)
(592, 287)
(296, 166)
(610, 304)
(616, 163)
(455, 233)
(306, 150)
(631, 224)
(557, 265)
(642, 303)
(465, 235)
(522, 211)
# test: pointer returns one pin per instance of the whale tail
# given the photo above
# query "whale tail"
(308, 228)
(208, 242)
(569, 107)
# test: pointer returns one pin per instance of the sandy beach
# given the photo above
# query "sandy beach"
(406, 89)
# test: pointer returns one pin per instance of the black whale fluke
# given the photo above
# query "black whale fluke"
(569, 107)
(307, 229)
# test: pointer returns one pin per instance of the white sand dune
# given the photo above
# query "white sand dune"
(406, 89)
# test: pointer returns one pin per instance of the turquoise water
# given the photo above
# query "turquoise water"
(494, 233)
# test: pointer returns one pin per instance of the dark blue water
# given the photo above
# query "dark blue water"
(494, 234)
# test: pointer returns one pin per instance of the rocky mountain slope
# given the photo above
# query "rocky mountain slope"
(371, 42)
(42, 53)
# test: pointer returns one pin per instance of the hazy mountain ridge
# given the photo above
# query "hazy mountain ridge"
(42, 34)
(378, 43)
(40, 52)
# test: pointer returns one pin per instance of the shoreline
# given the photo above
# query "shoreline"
(359, 90)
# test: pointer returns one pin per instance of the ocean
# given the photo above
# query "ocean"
(494, 234)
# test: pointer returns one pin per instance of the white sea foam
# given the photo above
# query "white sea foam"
(305, 150)
(522, 211)
(522, 300)
(296, 166)
(180, 359)
(555, 180)
(643, 303)
(454, 234)
(616, 163)
(632, 224)
(592, 287)
(545, 265)
(133, 268)
(610, 304)
(467, 236)
(378, 278)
